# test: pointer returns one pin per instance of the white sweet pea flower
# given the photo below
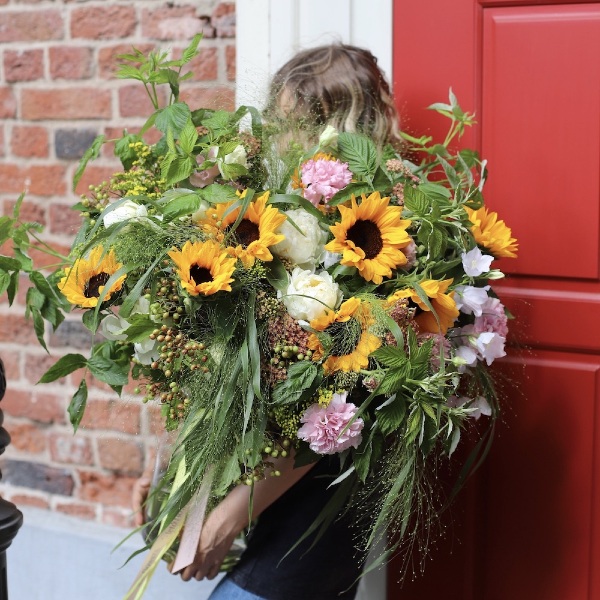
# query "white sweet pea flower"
(465, 356)
(125, 211)
(490, 346)
(477, 407)
(146, 352)
(329, 137)
(330, 258)
(309, 294)
(475, 263)
(470, 300)
(303, 249)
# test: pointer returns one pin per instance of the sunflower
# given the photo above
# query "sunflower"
(370, 237)
(255, 233)
(491, 233)
(352, 343)
(85, 280)
(203, 267)
(442, 303)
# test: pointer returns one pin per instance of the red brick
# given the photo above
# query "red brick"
(65, 104)
(63, 219)
(29, 500)
(223, 20)
(39, 25)
(103, 22)
(108, 63)
(12, 367)
(217, 98)
(134, 101)
(119, 455)
(27, 437)
(111, 490)
(95, 175)
(16, 328)
(170, 22)
(8, 103)
(29, 211)
(23, 65)
(2, 144)
(77, 509)
(71, 62)
(42, 259)
(37, 364)
(156, 421)
(40, 180)
(72, 449)
(43, 408)
(114, 415)
(230, 62)
(29, 142)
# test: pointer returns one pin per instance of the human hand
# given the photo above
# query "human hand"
(139, 495)
(218, 533)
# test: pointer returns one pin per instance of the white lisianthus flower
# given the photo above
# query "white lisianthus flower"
(309, 294)
(303, 249)
(113, 327)
(146, 352)
(329, 137)
(330, 258)
(125, 211)
(470, 300)
(475, 262)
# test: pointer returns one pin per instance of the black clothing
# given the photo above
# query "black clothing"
(328, 571)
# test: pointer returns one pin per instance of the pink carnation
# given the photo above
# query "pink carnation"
(493, 318)
(323, 426)
(323, 178)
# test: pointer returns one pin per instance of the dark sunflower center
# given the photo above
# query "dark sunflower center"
(345, 337)
(91, 289)
(200, 274)
(246, 233)
(413, 305)
(367, 236)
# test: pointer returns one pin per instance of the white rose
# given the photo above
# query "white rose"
(329, 137)
(303, 249)
(309, 294)
(237, 157)
(125, 211)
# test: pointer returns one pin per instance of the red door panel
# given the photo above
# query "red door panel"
(528, 525)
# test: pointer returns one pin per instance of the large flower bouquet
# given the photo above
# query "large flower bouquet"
(277, 300)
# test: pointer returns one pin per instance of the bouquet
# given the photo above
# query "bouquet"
(282, 299)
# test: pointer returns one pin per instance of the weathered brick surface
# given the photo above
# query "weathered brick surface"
(103, 22)
(38, 25)
(23, 65)
(71, 62)
(61, 104)
(27, 437)
(71, 449)
(38, 476)
(29, 141)
(57, 90)
(120, 455)
(116, 415)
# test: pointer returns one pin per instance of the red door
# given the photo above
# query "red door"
(528, 527)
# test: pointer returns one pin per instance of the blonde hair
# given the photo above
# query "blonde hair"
(338, 85)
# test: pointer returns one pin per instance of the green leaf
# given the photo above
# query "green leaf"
(301, 375)
(192, 50)
(106, 370)
(217, 194)
(174, 118)
(4, 281)
(176, 169)
(90, 154)
(141, 326)
(9, 264)
(232, 171)
(42, 285)
(6, 226)
(390, 356)
(63, 366)
(359, 152)
(13, 287)
(188, 137)
(296, 200)
(416, 201)
(276, 274)
(179, 202)
(394, 380)
(77, 405)
(352, 189)
(390, 415)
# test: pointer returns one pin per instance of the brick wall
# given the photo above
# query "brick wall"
(57, 92)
